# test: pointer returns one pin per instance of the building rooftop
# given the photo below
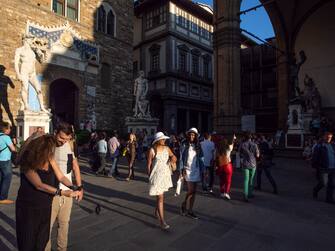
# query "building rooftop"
(198, 10)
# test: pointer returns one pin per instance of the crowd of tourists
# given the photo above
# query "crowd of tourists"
(48, 163)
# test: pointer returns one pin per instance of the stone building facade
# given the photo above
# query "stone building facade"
(87, 78)
(173, 46)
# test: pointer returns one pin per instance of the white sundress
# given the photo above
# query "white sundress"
(160, 178)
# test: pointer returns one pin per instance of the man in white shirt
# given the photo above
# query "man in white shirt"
(61, 205)
(208, 148)
(114, 150)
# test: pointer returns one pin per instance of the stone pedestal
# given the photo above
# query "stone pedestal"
(307, 118)
(136, 125)
(295, 133)
(28, 121)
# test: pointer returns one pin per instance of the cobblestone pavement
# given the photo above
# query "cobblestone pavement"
(284, 222)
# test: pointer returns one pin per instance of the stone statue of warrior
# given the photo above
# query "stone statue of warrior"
(25, 58)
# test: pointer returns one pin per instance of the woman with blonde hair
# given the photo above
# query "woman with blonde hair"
(159, 172)
(37, 188)
(131, 155)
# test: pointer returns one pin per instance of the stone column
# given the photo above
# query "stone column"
(227, 82)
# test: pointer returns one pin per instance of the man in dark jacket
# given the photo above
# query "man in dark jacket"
(265, 164)
(324, 161)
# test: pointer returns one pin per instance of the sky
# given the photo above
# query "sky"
(257, 22)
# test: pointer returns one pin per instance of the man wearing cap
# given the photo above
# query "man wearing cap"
(191, 165)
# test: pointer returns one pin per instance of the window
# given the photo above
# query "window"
(182, 61)
(105, 75)
(195, 65)
(182, 18)
(155, 57)
(156, 17)
(195, 61)
(194, 24)
(207, 67)
(110, 23)
(106, 19)
(135, 68)
(68, 8)
(101, 19)
(155, 62)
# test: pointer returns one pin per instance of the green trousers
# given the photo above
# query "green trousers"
(249, 174)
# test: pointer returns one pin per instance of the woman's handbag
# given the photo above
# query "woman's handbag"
(172, 166)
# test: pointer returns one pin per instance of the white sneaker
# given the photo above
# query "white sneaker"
(223, 195)
(227, 196)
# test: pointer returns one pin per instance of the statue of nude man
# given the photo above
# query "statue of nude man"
(140, 92)
(25, 69)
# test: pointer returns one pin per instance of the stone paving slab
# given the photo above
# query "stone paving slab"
(289, 221)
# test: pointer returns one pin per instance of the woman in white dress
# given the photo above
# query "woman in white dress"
(191, 165)
(159, 173)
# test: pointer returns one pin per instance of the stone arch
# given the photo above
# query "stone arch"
(64, 101)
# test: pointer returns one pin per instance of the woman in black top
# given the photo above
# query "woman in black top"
(34, 200)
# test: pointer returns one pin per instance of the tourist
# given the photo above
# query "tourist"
(248, 152)
(174, 145)
(307, 152)
(62, 205)
(101, 149)
(35, 194)
(114, 152)
(224, 167)
(190, 165)
(207, 174)
(145, 141)
(131, 155)
(160, 174)
(323, 161)
(6, 149)
(265, 163)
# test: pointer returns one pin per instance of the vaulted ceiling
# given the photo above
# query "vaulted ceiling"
(288, 16)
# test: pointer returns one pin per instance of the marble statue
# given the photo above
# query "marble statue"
(142, 107)
(294, 74)
(25, 58)
(312, 97)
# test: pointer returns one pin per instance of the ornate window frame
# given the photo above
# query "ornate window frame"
(108, 9)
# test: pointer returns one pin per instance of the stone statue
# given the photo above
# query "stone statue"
(142, 108)
(312, 97)
(25, 57)
(294, 74)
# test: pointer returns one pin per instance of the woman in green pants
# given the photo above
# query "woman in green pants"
(249, 152)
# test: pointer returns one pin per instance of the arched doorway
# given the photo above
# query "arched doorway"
(64, 101)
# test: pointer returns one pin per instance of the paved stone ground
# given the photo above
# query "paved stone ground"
(284, 222)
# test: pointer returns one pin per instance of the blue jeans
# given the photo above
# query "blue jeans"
(115, 160)
(5, 178)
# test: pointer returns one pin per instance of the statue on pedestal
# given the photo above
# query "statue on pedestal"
(312, 97)
(294, 74)
(25, 57)
(142, 107)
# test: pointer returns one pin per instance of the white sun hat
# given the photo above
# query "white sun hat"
(194, 130)
(158, 136)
